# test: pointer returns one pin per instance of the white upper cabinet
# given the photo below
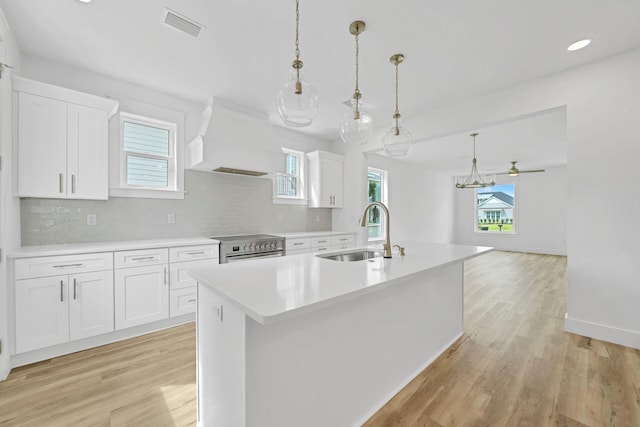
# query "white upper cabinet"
(325, 179)
(62, 142)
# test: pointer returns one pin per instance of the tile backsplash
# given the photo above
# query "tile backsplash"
(215, 204)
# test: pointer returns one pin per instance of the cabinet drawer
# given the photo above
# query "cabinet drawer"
(344, 239)
(62, 264)
(182, 301)
(298, 251)
(124, 259)
(317, 242)
(179, 276)
(296, 244)
(190, 253)
(321, 249)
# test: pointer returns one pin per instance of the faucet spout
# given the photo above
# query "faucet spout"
(363, 222)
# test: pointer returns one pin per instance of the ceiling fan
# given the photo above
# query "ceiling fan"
(514, 171)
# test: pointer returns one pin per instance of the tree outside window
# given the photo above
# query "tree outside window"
(377, 190)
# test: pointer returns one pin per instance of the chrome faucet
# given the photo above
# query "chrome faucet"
(363, 222)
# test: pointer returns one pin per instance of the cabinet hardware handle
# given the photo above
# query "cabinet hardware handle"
(143, 258)
(75, 289)
(191, 300)
(322, 241)
(61, 291)
(165, 277)
(73, 184)
(298, 244)
(196, 253)
(344, 239)
(67, 265)
(60, 183)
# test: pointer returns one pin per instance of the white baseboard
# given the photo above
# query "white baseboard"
(414, 374)
(602, 332)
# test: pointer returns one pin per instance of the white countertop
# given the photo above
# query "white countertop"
(274, 289)
(302, 234)
(80, 248)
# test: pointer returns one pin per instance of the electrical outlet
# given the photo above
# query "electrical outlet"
(171, 218)
(91, 219)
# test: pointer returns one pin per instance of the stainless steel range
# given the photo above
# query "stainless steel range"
(246, 247)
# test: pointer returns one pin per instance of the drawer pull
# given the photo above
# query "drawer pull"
(344, 239)
(298, 244)
(196, 253)
(68, 265)
(322, 241)
(191, 300)
(143, 258)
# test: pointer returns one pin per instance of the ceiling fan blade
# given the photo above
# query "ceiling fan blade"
(520, 171)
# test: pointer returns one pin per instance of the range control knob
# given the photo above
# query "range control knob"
(274, 245)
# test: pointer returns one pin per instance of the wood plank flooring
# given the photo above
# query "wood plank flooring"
(514, 366)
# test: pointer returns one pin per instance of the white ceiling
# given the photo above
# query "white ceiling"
(454, 50)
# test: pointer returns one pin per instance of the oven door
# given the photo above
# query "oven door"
(250, 257)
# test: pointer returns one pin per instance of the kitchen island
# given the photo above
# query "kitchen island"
(305, 340)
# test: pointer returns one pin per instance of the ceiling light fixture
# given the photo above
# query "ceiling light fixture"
(297, 100)
(580, 44)
(84, 1)
(397, 140)
(475, 180)
(356, 126)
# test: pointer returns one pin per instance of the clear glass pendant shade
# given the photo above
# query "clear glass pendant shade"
(356, 126)
(396, 141)
(297, 109)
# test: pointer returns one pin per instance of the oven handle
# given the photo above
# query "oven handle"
(254, 256)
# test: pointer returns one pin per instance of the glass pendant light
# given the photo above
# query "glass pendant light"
(356, 126)
(397, 140)
(475, 180)
(297, 100)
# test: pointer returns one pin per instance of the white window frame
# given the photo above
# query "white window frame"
(384, 185)
(515, 222)
(175, 179)
(300, 175)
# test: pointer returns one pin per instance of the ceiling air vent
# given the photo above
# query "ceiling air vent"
(182, 23)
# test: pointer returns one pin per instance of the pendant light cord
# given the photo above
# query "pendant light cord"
(297, 63)
(396, 115)
(357, 94)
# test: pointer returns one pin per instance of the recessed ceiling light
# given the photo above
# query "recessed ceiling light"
(579, 45)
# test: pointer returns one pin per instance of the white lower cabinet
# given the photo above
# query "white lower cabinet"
(182, 296)
(141, 295)
(55, 310)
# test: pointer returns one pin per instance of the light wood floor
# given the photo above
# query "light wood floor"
(513, 367)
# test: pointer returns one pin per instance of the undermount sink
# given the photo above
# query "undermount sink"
(352, 256)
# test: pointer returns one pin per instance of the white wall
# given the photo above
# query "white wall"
(9, 205)
(421, 203)
(541, 215)
(603, 198)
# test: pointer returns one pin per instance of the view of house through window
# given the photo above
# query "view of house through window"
(148, 151)
(377, 181)
(496, 208)
(289, 184)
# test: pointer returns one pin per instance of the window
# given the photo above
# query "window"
(495, 209)
(289, 186)
(377, 183)
(148, 153)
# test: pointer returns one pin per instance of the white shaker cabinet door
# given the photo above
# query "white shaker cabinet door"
(42, 146)
(88, 153)
(42, 312)
(90, 304)
(141, 295)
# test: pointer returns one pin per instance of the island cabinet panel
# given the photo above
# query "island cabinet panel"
(333, 366)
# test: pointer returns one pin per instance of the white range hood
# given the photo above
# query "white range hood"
(235, 142)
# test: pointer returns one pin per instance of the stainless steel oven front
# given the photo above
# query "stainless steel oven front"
(248, 247)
